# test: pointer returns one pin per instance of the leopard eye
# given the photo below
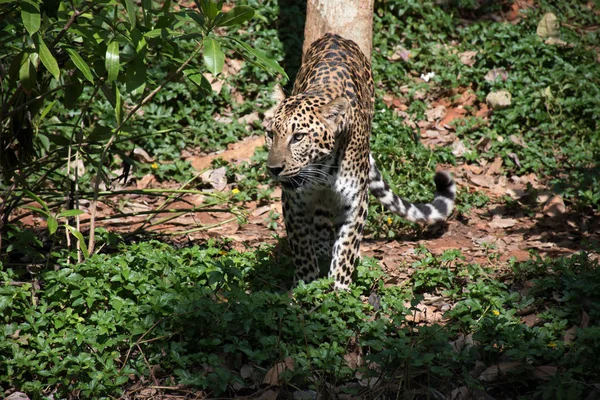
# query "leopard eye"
(298, 137)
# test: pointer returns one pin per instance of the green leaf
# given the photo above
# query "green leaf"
(130, 7)
(35, 197)
(28, 72)
(100, 133)
(30, 14)
(38, 210)
(72, 93)
(209, 9)
(70, 213)
(47, 110)
(197, 17)
(155, 33)
(47, 58)
(52, 225)
(261, 59)
(118, 105)
(109, 93)
(80, 64)
(147, 8)
(198, 79)
(79, 237)
(112, 61)
(213, 56)
(235, 16)
(136, 76)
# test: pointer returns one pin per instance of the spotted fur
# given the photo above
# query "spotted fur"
(318, 144)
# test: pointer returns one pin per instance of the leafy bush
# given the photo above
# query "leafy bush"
(77, 76)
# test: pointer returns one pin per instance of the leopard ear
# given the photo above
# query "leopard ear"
(335, 110)
(278, 93)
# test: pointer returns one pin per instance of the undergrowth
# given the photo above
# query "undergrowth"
(219, 321)
(186, 317)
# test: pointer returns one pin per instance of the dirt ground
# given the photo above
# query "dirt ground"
(535, 220)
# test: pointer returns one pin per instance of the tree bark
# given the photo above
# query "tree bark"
(351, 19)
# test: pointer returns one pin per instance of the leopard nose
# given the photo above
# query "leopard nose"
(275, 171)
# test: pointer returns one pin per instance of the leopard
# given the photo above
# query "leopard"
(318, 142)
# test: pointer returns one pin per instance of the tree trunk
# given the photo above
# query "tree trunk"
(351, 19)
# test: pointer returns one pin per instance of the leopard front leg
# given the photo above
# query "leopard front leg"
(298, 216)
(323, 232)
(349, 224)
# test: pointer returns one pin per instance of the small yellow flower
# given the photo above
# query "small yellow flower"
(154, 166)
(235, 191)
(496, 312)
(551, 344)
(223, 253)
(389, 221)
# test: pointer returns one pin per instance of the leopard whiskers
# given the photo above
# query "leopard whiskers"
(316, 177)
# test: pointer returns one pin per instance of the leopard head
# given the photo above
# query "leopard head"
(302, 133)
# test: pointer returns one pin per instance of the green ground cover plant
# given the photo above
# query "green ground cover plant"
(208, 321)
(185, 316)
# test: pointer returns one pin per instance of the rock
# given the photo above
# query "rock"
(548, 26)
(499, 100)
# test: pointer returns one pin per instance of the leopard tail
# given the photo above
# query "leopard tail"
(430, 213)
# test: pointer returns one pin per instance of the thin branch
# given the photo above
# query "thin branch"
(34, 99)
(74, 16)
(202, 228)
(114, 136)
(166, 201)
(165, 211)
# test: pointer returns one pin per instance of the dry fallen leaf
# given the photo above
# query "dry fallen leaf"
(236, 152)
(467, 57)
(146, 181)
(459, 149)
(467, 98)
(246, 371)
(271, 394)
(273, 376)
(462, 342)
(142, 155)
(518, 140)
(531, 320)
(570, 334)
(545, 372)
(495, 167)
(482, 180)
(394, 102)
(452, 114)
(305, 395)
(354, 359)
(496, 73)
(585, 319)
(497, 371)
(554, 206)
(249, 118)
(18, 396)
(436, 113)
(461, 393)
(215, 83)
(233, 66)
(216, 178)
(427, 314)
(502, 223)
(400, 54)
(554, 41)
